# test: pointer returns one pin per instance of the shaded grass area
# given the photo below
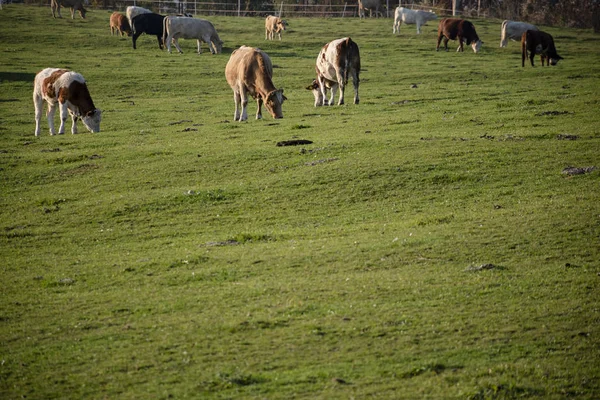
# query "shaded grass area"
(425, 244)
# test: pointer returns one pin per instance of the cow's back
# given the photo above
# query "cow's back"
(149, 23)
(245, 63)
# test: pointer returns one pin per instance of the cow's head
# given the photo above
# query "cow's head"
(82, 12)
(91, 120)
(554, 61)
(316, 91)
(218, 45)
(476, 45)
(273, 103)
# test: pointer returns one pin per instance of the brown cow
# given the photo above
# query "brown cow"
(250, 71)
(336, 61)
(538, 42)
(74, 5)
(68, 90)
(274, 25)
(119, 24)
(452, 28)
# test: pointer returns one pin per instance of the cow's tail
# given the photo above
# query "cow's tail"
(347, 58)
(164, 38)
(523, 48)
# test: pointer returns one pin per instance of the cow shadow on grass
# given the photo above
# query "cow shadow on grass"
(17, 76)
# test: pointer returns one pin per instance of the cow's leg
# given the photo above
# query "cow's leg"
(334, 89)
(446, 43)
(244, 103)
(64, 113)
(72, 13)
(134, 38)
(418, 28)
(460, 44)
(259, 103)
(323, 90)
(531, 57)
(342, 84)
(437, 48)
(176, 43)
(159, 39)
(38, 103)
(74, 120)
(237, 100)
(356, 82)
(50, 116)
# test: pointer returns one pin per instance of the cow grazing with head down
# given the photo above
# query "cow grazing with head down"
(175, 28)
(74, 5)
(150, 24)
(336, 61)
(452, 29)
(514, 30)
(409, 16)
(371, 5)
(133, 11)
(538, 42)
(249, 71)
(69, 90)
(119, 24)
(274, 25)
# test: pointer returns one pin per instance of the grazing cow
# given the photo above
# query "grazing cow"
(336, 61)
(74, 5)
(408, 16)
(175, 28)
(514, 30)
(150, 24)
(371, 5)
(538, 42)
(133, 11)
(451, 28)
(119, 24)
(274, 25)
(70, 91)
(249, 71)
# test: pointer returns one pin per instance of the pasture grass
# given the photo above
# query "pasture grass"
(426, 245)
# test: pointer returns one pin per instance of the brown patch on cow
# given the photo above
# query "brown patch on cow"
(48, 84)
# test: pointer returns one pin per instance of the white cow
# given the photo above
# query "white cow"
(133, 11)
(408, 16)
(191, 28)
(68, 90)
(336, 61)
(514, 30)
(371, 5)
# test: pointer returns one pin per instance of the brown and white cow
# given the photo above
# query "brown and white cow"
(119, 24)
(514, 30)
(74, 5)
(202, 30)
(336, 61)
(69, 90)
(250, 71)
(274, 25)
(453, 28)
(538, 42)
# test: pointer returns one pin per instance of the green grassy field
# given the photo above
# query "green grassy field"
(426, 245)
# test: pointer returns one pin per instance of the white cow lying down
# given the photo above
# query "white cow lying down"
(514, 30)
(408, 16)
(175, 28)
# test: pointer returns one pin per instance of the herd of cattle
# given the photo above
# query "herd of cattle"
(249, 70)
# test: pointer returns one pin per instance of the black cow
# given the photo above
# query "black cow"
(452, 28)
(538, 42)
(150, 24)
